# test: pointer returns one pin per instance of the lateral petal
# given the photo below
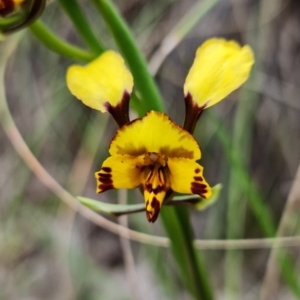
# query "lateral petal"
(219, 68)
(102, 82)
(156, 132)
(117, 172)
(186, 176)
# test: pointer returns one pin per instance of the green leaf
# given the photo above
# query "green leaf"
(82, 25)
(111, 209)
(122, 209)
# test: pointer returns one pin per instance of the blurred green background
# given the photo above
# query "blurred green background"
(250, 144)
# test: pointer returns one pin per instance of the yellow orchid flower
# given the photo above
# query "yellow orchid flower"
(141, 156)
(153, 152)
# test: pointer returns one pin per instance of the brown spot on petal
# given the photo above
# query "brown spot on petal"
(106, 180)
(152, 218)
(104, 187)
(199, 189)
(106, 169)
(198, 178)
(158, 189)
(148, 187)
(153, 214)
(197, 170)
(102, 175)
(154, 202)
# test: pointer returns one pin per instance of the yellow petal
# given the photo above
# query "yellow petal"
(219, 68)
(118, 172)
(156, 132)
(186, 176)
(103, 81)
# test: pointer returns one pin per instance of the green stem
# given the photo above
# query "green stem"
(178, 228)
(137, 63)
(82, 25)
(57, 45)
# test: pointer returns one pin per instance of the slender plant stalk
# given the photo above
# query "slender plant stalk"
(54, 43)
(137, 63)
(175, 220)
(82, 25)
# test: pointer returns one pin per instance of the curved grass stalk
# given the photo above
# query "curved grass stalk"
(55, 44)
(137, 63)
(82, 25)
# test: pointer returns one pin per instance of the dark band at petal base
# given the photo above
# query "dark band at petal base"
(120, 112)
(192, 113)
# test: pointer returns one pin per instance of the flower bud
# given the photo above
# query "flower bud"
(18, 14)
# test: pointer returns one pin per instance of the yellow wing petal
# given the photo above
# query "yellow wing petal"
(219, 68)
(102, 81)
(186, 176)
(156, 132)
(118, 172)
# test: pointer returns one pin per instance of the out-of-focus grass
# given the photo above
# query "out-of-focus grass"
(54, 125)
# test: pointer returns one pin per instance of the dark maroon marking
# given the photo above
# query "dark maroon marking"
(102, 175)
(148, 187)
(106, 180)
(154, 202)
(198, 178)
(197, 170)
(106, 169)
(192, 113)
(158, 189)
(147, 203)
(199, 189)
(198, 185)
(156, 207)
(120, 111)
(6, 7)
(105, 187)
